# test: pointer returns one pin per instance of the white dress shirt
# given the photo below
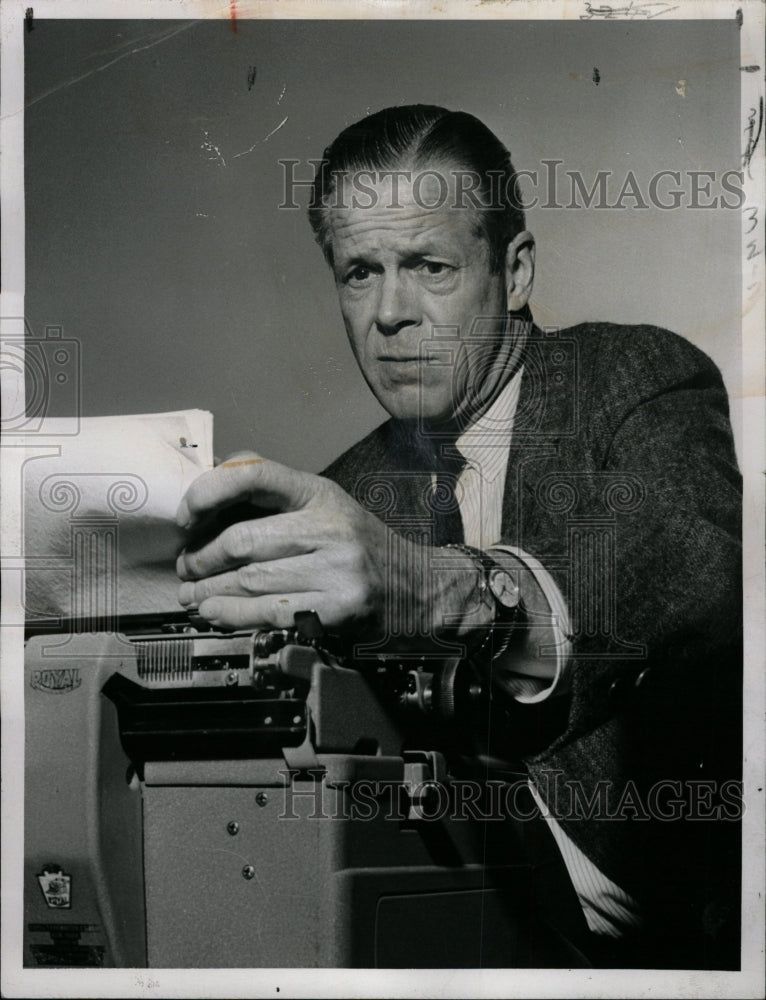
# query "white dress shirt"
(485, 445)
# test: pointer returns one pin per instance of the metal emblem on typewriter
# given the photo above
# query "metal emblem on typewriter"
(56, 887)
(59, 681)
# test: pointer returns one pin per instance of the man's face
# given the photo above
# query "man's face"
(402, 271)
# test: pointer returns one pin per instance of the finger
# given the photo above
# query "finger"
(191, 594)
(275, 611)
(277, 537)
(246, 477)
(281, 576)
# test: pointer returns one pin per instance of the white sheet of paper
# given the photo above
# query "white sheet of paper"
(99, 531)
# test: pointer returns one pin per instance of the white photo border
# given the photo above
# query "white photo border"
(18, 982)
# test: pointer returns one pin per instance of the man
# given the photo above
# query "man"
(592, 573)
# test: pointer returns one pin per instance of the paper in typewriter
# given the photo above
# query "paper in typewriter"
(99, 531)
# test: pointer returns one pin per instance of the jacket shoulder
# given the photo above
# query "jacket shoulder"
(638, 356)
(362, 456)
(622, 367)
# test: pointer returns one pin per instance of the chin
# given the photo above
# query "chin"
(415, 402)
(401, 409)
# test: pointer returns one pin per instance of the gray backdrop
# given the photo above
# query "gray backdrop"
(152, 190)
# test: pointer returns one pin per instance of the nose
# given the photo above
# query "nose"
(397, 304)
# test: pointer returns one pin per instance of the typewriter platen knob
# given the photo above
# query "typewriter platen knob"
(266, 643)
(457, 690)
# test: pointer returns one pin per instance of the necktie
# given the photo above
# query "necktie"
(443, 499)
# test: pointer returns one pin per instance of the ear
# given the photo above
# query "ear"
(519, 270)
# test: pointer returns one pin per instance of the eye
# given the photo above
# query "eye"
(435, 267)
(359, 274)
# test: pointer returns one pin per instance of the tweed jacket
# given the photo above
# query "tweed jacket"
(622, 480)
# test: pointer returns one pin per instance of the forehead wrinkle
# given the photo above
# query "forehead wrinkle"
(393, 231)
(385, 218)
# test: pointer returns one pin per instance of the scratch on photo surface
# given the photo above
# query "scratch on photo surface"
(210, 147)
(283, 122)
(98, 69)
(284, 88)
(259, 141)
(246, 151)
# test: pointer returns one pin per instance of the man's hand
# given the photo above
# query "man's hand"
(321, 551)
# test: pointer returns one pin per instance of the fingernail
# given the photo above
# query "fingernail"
(186, 594)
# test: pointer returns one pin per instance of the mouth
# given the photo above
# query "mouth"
(402, 369)
(404, 359)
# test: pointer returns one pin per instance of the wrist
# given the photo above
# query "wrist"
(499, 591)
(451, 593)
(459, 608)
(486, 609)
(428, 598)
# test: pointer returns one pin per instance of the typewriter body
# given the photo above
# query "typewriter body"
(252, 799)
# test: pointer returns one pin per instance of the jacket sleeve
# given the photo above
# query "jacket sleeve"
(654, 575)
(656, 694)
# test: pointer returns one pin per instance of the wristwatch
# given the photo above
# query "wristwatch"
(500, 592)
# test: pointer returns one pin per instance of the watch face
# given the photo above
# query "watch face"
(503, 587)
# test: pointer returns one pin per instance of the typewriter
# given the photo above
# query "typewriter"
(201, 799)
